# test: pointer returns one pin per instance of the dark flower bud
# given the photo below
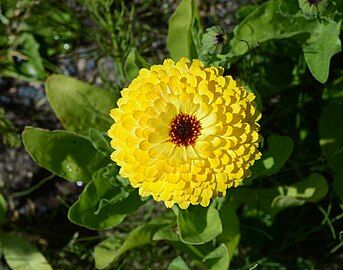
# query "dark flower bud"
(313, 7)
(214, 39)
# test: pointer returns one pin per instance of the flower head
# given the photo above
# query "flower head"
(184, 133)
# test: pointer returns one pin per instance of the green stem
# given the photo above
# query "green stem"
(116, 49)
(33, 188)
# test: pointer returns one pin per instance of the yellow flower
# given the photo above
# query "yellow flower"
(184, 133)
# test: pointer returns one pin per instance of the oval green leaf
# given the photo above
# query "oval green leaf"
(104, 203)
(178, 264)
(64, 153)
(273, 200)
(79, 106)
(198, 225)
(279, 151)
(218, 259)
(231, 234)
(21, 255)
(323, 43)
(179, 41)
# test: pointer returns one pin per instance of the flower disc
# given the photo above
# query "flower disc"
(184, 133)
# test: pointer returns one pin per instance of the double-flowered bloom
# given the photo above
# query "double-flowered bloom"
(184, 133)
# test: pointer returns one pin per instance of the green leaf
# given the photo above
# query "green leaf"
(198, 225)
(104, 251)
(109, 251)
(331, 140)
(21, 255)
(323, 43)
(64, 153)
(104, 202)
(32, 66)
(289, 7)
(133, 63)
(273, 200)
(231, 234)
(266, 23)
(218, 259)
(282, 19)
(245, 11)
(100, 142)
(79, 106)
(170, 234)
(179, 41)
(178, 264)
(167, 234)
(279, 151)
(3, 209)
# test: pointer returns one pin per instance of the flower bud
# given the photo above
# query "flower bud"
(313, 7)
(214, 40)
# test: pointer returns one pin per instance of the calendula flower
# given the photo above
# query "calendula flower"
(184, 133)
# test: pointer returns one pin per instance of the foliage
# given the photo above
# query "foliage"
(17, 251)
(331, 139)
(9, 134)
(30, 36)
(64, 153)
(79, 106)
(105, 201)
(20, 254)
(111, 17)
(180, 42)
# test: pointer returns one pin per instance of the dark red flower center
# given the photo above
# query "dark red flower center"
(219, 38)
(184, 130)
(314, 2)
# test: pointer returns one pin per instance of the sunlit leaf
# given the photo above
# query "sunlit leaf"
(21, 255)
(218, 259)
(134, 62)
(167, 234)
(323, 43)
(178, 264)
(104, 202)
(64, 153)
(79, 106)
(179, 41)
(109, 250)
(231, 234)
(198, 225)
(170, 234)
(273, 200)
(266, 23)
(104, 251)
(244, 11)
(279, 20)
(100, 141)
(279, 150)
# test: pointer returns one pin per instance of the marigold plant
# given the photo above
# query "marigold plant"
(184, 133)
